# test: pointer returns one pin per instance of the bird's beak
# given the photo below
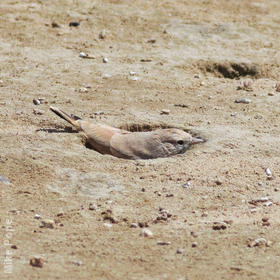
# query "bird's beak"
(196, 141)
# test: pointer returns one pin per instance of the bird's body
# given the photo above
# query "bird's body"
(131, 145)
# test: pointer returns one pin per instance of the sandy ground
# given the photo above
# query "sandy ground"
(224, 224)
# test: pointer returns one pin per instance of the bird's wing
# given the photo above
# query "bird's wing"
(99, 135)
(136, 145)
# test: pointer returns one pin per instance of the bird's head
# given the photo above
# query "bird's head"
(178, 141)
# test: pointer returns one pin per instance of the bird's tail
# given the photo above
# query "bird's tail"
(72, 119)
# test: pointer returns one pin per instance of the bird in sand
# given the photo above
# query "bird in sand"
(121, 143)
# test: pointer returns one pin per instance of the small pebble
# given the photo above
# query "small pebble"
(196, 76)
(107, 76)
(37, 216)
(233, 114)
(257, 200)
(179, 251)
(163, 243)
(134, 225)
(105, 60)
(194, 244)
(265, 221)
(186, 185)
(218, 182)
(132, 73)
(194, 234)
(107, 225)
(78, 263)
(37, 262)
(204, 214)
(47, 223)
(36, 101)
(134, 78)
(83, 90)
(270, 94)
(83, 55)
(165, 112)
(102, 34)
(260, 242)
(14, 247)
(74, 23)
(91, 206)
(4, 180)
(268, 203)
(55, 25)
(146, 232)
(268, 172)
(243, 100)
(263, 199)
(219, 226)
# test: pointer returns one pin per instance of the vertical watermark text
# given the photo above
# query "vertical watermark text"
(8, 258)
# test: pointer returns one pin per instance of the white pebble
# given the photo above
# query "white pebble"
(268, 203)
(243, 100)
(107, 76)
(4, 180)
(107, 225)
(263, 199)
(186, 185)
(133, 225)
(268, 172)
(83, 90)
(165, 112)
(258, 242)
(132, 73)
(78, 263)
(146, 232)
(36, 101)
(134, 78)
(105, 60)
(83, 55)
(37, 216)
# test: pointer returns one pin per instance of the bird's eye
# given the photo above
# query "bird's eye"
(180, 142)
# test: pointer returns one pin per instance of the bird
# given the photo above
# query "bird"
(159, 143)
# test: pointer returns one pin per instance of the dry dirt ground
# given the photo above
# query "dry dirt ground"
(193, 54)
